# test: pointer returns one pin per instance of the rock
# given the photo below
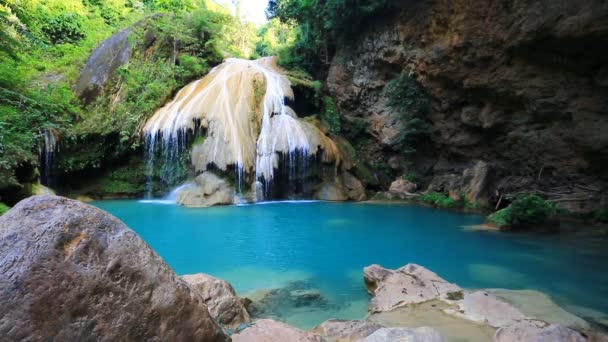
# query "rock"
(431, 314)
(423, 334)
(279, 301)
(346, 331)
(208, 190)
(101, 65)
(353, 186)
(476, 180)
(331, 191)
(484, 308)
(74, 272)
(267, 330)
(402, 187)
(221, 299)
(538, 305)
(407, 285)
(537, 331)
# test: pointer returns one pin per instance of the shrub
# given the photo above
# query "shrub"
(3, 208)
(411, 176)
(500, 218)
(63, 28)
(529, 209)
(437, 199)
(601, 215)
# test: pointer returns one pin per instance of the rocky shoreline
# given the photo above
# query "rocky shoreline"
(73, 272)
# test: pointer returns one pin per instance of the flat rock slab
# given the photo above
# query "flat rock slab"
(72, 272)
(484, 308)
(409, 284)
(424, 334)
(346, 331)
(538, 305)
(267, 330)
(537, 331)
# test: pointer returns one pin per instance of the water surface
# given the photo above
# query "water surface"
(324, 246)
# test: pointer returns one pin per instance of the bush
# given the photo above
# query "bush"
(437, 199)
(3, 208)
(500, 218)
(63, 28)
(411, 176)
(529, 209)
(601, 215)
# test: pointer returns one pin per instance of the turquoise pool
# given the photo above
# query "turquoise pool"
(324, 246)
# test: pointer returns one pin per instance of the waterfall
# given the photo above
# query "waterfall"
(241, 106)
(47, 156)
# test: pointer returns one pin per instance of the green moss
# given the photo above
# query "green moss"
(3, 208)
(330, 115)
(437, 199)
(411, 176)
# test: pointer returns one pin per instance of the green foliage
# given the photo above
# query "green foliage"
(330, 115)
(437, 199)
(529, 209)
(601, 215)
(409, 99)
(525, 210)
(3, 208)
(320, 25)
(63, 28)
(411, 176)
(501, 217)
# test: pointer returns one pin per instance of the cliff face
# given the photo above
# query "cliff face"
(517, 88)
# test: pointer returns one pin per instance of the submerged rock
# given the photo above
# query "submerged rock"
(424, 334)
(277, 302)
(346, 331)
(208, 190)
(407, 285)
(221, 299)
(74, 272)
(484, 308)
(267, 330)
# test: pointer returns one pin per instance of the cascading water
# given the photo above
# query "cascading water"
(241, 106)
(47, 156)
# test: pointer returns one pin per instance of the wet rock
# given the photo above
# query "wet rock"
(407, 285)
(484, 308)
(73, 272)
(346, 331)
(267, 330)
(353, 187)
(404, 334)
(537, 331)
(207, 190)
(278, 302)
(221, 299)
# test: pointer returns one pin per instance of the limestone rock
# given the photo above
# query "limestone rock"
(267, 330)
(331, 191)
(208, 190)
(346, 331)
(73, 272)
(402, 187)
(476, 180)
(538, 305)
(221, 299)
(423, 334)
(407, 285)
(537, 331)
(484, 308)
(353, 186)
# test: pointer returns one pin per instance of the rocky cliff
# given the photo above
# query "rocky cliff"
(518, 94)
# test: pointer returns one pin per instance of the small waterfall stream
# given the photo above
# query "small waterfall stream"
(47, 156)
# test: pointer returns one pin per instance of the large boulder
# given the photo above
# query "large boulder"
(346, 331)
(409, 284)
(207, 190)
(331, 191)
(221, 299)
(72, 272)
(484, 308)
(267, 330)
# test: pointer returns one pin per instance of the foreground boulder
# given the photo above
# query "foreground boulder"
(221, 299)
(404, 334)
(73, 272)
(267, 330)
(537, 331)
